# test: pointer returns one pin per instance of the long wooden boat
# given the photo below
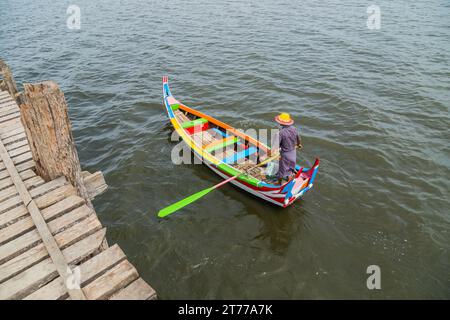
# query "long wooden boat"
(228, 152)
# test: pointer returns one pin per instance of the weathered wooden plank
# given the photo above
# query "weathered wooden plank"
(24, 166)
(8, 113)
(95, 183)
(17, 246)
(49, 213)
(11, 123)
(18, 151)
(22, 158)
(49, 186)
(110, 282)
(7, 193)
(54, 290)
(38, 275)
(15, 138)
(10, 204)
(21, 167)
(16, 145)
(73, 255)
(6, 106)
(22, 262)
(29, 239)
(99, 264)
(89, 270)
(34, 182)
(12, 215)
(62, 207)
(17, 229)
(84, 248)
(72, 234)
(9, 117)
(77, 231)
(25, 175)
(7, 110)
(5, 183)
(57, 289)
(24, 225)
(55, 195)
(26, 282)
(137, 290)
(69, 219)
(6, 97)
(8, 132)
(6, 101)
(15, 201)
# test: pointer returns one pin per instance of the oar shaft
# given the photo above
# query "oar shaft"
(182, 203)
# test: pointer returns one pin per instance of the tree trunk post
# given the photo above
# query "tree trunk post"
(8, 81)
(46, 120)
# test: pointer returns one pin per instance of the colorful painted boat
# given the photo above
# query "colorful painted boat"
(228, 152)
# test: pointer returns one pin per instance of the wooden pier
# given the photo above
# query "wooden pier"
(52, 245)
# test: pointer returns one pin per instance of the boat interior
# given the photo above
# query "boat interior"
(232, 149)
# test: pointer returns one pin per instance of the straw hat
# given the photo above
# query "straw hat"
(284, 119)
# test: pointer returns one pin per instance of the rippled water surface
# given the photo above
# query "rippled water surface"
(372, 104)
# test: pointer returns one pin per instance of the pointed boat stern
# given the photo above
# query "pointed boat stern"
(303, 181)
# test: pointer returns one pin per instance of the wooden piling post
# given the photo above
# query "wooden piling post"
(46, 120)
(8, 83)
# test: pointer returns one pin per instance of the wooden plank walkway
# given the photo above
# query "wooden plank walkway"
(52, 246)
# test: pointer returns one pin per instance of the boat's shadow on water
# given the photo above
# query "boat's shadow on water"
(279, 225)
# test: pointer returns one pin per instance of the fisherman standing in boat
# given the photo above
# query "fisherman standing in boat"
(286, 140)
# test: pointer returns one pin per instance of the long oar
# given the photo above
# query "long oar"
(182, 203)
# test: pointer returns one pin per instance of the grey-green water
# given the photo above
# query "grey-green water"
(372, 104)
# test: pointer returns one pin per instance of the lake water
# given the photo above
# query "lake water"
(373, 104)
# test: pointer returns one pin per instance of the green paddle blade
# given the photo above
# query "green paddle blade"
(182, 203)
